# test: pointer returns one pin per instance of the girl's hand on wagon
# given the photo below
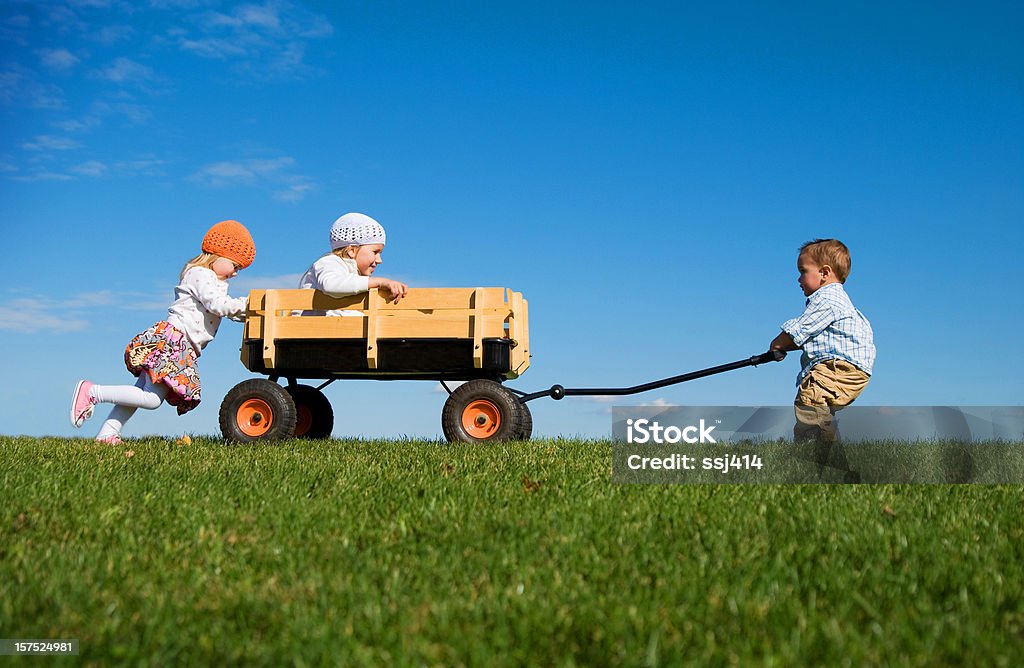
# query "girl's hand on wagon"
(396, 289)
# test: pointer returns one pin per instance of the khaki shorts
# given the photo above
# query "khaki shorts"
(827, 387)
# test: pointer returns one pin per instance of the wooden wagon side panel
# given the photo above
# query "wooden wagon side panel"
(472, 314)
(519, 331)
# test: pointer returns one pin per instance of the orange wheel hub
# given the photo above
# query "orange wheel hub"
(481, 419)
(254, 417)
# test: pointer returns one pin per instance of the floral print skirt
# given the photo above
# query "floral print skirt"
(165, 353)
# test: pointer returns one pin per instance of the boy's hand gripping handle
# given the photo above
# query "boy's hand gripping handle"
(770, 356)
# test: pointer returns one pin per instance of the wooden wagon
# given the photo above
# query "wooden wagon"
(478, 335)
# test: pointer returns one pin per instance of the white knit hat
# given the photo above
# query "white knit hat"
(356, 229)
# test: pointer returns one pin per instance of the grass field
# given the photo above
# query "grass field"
(424, 553)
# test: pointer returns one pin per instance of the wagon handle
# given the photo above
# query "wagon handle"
(558, 392)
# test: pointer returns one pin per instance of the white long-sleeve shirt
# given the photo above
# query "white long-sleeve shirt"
(336, 276)
(200, 301)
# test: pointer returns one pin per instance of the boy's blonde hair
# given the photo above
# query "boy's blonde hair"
(205, 260)
(832, 252)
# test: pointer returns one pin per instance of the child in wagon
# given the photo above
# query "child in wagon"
(357, 242)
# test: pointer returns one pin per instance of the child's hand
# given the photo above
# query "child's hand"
(783, 342)
(396, 289)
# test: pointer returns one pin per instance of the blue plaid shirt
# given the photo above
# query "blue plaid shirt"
(832, 328)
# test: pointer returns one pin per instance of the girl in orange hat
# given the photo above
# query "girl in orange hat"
(164, 356)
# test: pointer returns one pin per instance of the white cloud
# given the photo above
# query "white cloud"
(88, 169)
(112, 34)
(44, 96)
(30, 322)
(99, 4)
(10, 81)
(28, 316)
(50, 143)
(134, 113)
(19, 85)
(212, 47)
(263, 17)
(220, 174)
(267, 39)
(18, 21)
(90, 299)
(247, 16)
(176, 4)
(605, 402)
(41, 175)
(143, 166)
(125, 70)
(78, 125)
(224, 173)
(33, 314)
(291, 56)
(92, 168)
(294, 192)
(601, 399)
(275, 171)
(263, 166)
(57, 59)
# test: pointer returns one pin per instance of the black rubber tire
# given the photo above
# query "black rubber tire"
(525, 423)
(508, 425)
(314, 417)
(269, 403)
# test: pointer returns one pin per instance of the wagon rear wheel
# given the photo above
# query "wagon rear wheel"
(482, 411)
(314, 417)
(257, 410)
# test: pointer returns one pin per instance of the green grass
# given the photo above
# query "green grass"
(424, 553)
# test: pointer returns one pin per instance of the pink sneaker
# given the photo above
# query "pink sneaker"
(113, 439)
(81, 403)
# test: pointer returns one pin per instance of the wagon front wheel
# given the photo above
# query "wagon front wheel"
(482, 411)
(255, 410)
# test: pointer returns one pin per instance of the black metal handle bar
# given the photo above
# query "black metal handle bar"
(557, 391)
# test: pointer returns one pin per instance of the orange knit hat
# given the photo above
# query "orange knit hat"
(230, 239)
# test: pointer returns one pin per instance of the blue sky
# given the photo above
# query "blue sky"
(642, 172)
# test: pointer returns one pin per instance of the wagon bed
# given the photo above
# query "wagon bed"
(432, 333)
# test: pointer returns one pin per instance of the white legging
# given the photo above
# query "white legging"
(129, 398)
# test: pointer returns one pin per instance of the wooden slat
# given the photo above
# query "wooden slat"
(527, 350)
(514, 326)
(322, 327)
(478, 328)
(371, 329)
(426, 299)
(520, 358)
(513, 323)
(269, 327)
(387, 327)
(253, 326)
